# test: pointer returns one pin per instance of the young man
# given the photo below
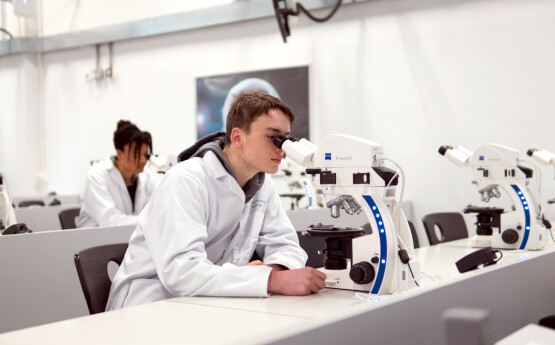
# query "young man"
(118, 188)
(212, 212)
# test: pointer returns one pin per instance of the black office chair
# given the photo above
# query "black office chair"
(92, 268)
(415, 240)
(14, 229)
(451, 225)
(27, 203)
(67, 217)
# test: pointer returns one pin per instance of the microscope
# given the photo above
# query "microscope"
(494, 168)
(295, 187)
(546, 158)
(162, 163)
(7, 214)
(353, 178)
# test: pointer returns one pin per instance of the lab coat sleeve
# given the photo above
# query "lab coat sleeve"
(175, 230)
(278, 242)
(100, 205)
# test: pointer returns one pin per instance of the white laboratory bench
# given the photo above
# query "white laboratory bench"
(38, 280)
(518, 290)
(531, 334)
(42, 218)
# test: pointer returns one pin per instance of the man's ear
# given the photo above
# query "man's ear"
(236, 137)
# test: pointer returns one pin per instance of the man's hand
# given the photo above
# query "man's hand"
(255, 263)
(300, 282)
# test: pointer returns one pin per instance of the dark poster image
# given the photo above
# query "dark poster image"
(215, 94)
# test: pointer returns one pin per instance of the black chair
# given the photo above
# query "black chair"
(19, 228)
(451, 225)
(27, 203)
(92, 268)
(415, 240)
(67, 217)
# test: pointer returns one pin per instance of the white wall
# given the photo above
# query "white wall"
(20, 123)
(410, 74)
(62, 16)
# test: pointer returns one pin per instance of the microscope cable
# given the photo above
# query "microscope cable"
(400, 244)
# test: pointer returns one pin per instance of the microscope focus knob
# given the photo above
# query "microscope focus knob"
(362, 273)
(509, 236)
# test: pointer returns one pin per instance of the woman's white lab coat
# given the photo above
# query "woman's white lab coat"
(197, 232)
(106, 200)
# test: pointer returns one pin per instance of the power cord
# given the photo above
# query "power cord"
(551, 233)
(300, 8)
(283, 12)
(539, 201)
(6, 32)
(403, 253)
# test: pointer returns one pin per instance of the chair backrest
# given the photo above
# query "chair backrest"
(92, 268)
(415, 240)
(27, 203)
(67, 217)
(451, 225)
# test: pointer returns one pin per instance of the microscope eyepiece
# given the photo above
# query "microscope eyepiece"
(443, 149)
(280, 139)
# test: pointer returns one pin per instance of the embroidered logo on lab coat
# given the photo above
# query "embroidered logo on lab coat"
(258, 205)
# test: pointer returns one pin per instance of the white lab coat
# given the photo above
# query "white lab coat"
(7, 214)
(197, 232)
(106, 200)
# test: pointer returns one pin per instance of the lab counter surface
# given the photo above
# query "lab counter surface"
(517, 291)
(42, 218)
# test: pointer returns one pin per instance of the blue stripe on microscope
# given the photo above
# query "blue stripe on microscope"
(383, 243)
(308, 194)
(526, 207)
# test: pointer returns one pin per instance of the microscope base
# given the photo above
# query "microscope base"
(537, 240)
(340, 279)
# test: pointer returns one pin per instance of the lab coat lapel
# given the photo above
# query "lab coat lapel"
(239, 235)
(219, 172)
(140, 194)
(117, 178)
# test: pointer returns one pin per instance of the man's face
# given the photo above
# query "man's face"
(128, 159)
(259, 151)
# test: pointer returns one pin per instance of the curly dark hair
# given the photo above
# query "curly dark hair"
(127, 133)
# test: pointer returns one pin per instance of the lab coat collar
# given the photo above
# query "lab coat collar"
(215, 167)
(217, 170)
(115, 173)
(215, 143)
(117, 177)
(197, 150)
